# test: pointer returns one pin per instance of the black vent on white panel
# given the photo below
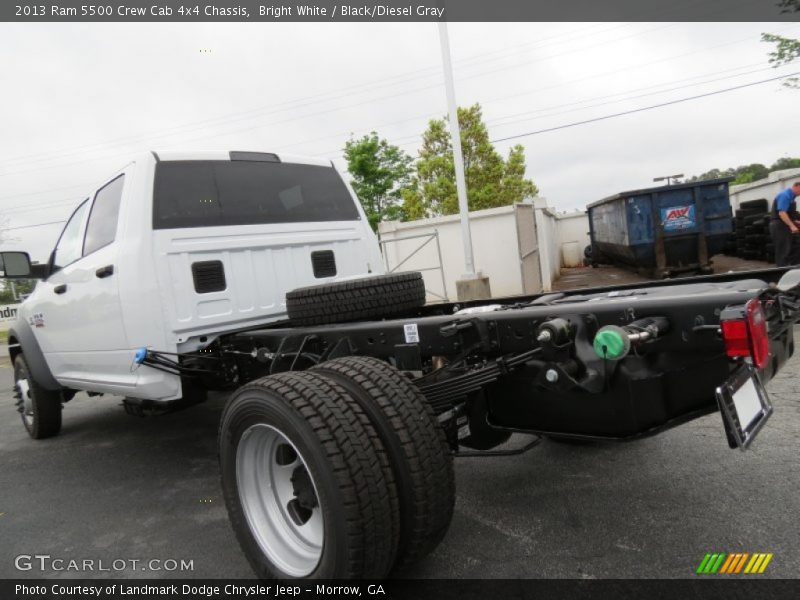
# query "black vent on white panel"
(324, 263)
(209, 276)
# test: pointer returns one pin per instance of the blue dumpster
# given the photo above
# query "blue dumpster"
(662, 230)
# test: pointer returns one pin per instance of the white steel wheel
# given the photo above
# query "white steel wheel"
(302, 475)
(25, 403)
(39, 408)
(279, 499)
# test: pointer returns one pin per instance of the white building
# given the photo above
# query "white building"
(521, 248)
(764, 188)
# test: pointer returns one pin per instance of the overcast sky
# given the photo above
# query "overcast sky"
(77, 100)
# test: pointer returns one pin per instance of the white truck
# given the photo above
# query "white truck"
(176, 248)
(259, 274)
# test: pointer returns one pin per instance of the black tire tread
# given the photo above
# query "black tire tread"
(426, 480)
(355, 453)
(359, 299)
(47, 405)
(754, 219)
(760, 205)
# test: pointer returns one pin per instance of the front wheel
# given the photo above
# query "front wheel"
(40, 408)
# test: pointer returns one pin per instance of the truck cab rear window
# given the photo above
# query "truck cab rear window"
(214, 193)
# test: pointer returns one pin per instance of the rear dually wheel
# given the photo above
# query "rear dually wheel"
(420, 457)
(303, 475)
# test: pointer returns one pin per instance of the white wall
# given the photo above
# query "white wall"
(549, 249)
(561, 240)
(494, 243)
(765, 188)
(573, 237)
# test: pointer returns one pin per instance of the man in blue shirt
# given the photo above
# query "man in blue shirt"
(785, 226)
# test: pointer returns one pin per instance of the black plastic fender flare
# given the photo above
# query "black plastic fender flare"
(27, 344)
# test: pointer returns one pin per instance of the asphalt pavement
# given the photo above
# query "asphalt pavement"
(113, 487)
(603, 275)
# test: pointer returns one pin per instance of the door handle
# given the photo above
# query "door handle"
(60, 289)
(106, 271)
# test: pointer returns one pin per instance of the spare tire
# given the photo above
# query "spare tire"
(356, 300)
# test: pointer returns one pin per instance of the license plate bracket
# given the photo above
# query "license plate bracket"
(744, 406)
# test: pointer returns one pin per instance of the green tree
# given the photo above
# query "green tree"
(786, 49)
(515, 187)
(712, 174)
(6, 295)
(741, 174)
(491, 180)
(785, 163)
(753, 171)
(748, 173)
(23, 287)
(380, 171)
(744, 177)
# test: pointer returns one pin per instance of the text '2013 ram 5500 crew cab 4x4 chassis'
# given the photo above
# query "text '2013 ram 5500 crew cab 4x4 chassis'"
(258, 273)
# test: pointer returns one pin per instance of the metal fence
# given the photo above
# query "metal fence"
(428, 238)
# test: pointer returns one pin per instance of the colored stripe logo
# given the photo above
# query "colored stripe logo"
(734, 563)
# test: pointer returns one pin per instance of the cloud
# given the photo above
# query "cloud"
(79, 99)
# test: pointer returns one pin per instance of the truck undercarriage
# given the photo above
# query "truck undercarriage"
(336, 446)
(258, 274)
(531, 364)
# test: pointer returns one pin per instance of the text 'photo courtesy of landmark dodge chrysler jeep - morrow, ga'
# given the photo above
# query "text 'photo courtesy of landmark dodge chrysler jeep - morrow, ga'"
(258, 274)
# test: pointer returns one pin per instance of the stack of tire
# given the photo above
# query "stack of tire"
(750, 238)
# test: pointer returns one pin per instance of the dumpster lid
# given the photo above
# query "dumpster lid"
(677, 186)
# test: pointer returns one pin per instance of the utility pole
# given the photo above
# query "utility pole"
(458, 157)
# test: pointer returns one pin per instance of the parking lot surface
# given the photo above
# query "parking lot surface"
(587, 277)
(116, 487)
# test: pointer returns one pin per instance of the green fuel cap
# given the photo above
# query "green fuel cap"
(612, 343)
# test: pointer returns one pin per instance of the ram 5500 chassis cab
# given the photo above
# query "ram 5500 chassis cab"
(258, 274)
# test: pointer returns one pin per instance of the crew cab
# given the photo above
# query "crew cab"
(257, 274)
(174, 249)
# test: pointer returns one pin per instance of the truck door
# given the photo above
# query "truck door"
(80, 326)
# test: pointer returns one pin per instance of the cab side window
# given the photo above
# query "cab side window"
(102, 226)
(68, 249)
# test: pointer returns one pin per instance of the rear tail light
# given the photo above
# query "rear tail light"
(759, 338)
(745, 333)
